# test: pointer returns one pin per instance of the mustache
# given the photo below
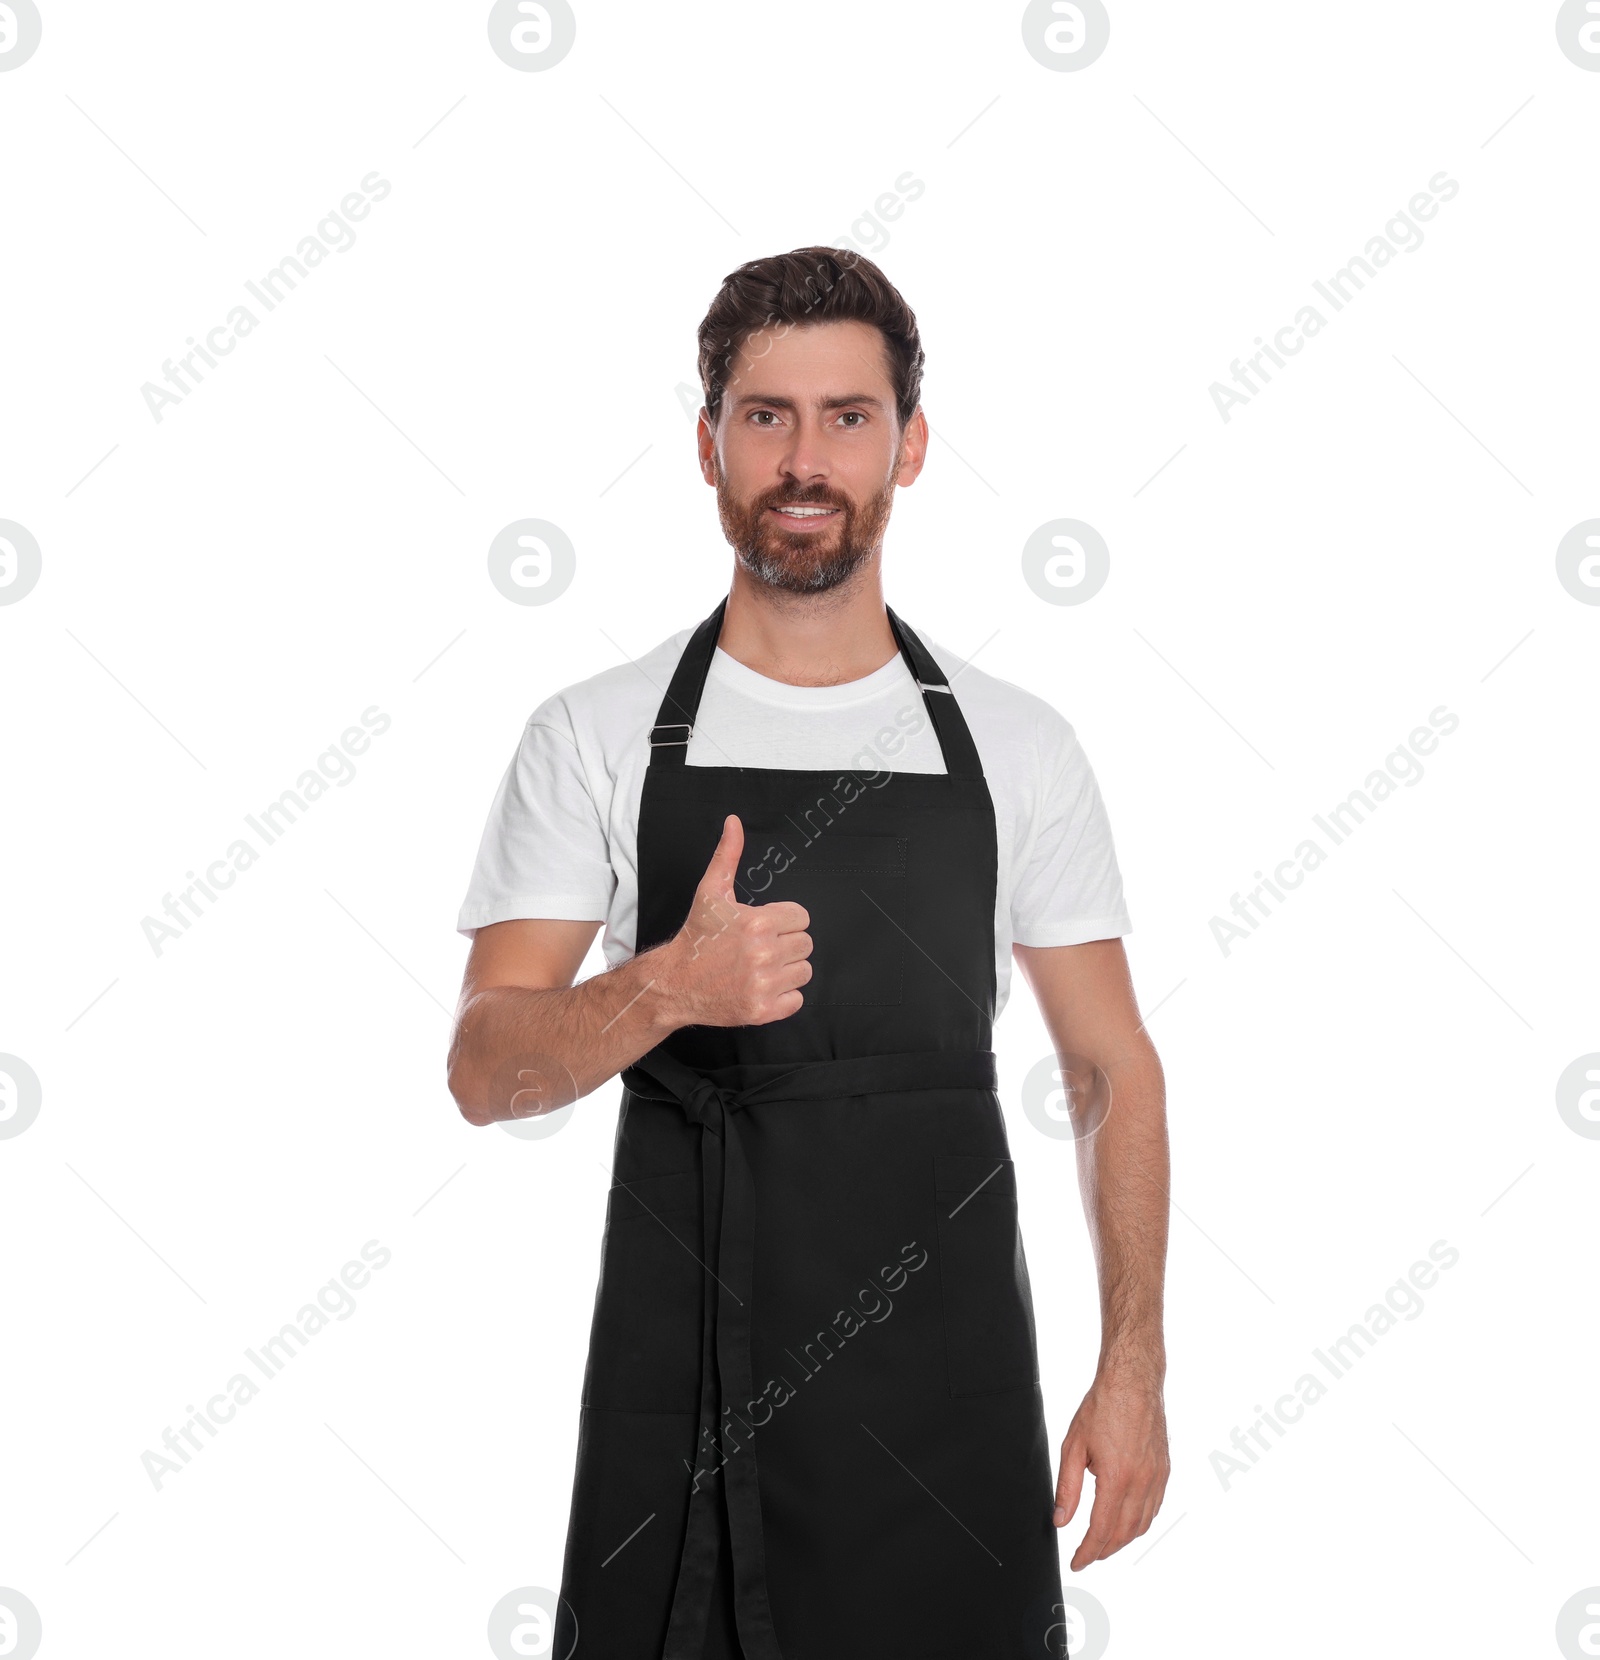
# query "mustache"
(809, 500)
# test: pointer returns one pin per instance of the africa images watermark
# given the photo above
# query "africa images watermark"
(867, 233)
(335, 765)
(768, 858)
(1400, 766)
(1401, 1301)
(873, 1305)
(769, 852)
(334, 1301)
(1402, 234)
(816, 817)
(333, 235)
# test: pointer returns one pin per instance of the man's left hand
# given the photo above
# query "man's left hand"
(1120, 1433)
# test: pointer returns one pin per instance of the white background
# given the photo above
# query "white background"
(512, 335)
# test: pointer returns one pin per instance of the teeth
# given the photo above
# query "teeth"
(806, 512)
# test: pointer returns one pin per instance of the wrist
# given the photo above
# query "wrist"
(1133, 1365)
(660, 994)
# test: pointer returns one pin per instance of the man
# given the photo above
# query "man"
(816, 841)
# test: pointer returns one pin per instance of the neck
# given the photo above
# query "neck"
(809, 639)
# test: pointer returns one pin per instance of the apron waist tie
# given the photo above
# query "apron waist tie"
(713, 1099)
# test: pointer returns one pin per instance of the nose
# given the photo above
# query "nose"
(805, 462)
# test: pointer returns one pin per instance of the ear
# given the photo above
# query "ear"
(705, 438)
(913, 448)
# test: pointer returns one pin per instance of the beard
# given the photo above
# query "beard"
(803, 562)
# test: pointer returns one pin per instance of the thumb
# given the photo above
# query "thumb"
(725, 859)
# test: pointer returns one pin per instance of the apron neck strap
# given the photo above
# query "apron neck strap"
(669, 737)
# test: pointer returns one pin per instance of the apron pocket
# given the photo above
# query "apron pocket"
(853, 889)
(644, 1345)
(983, 1277)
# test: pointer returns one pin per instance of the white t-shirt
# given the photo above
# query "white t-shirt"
(561, 837)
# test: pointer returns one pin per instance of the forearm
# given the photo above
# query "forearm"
(1124, 1173)
(519, 1051)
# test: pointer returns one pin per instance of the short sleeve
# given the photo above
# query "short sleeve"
(544, 851)
(1069, 888)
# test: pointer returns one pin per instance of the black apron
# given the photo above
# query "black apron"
(812, 1426)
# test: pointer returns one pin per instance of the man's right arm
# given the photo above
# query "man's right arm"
(528, 1041)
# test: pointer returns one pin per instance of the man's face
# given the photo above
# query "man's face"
(807, 452)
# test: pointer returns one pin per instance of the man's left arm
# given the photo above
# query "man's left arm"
(1119, 1432)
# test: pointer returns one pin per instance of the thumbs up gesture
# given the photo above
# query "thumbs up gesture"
(733, 964)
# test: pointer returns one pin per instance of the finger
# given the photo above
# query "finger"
(786, 1004)
(1110, 1501)
(786, 916)
(1126, 1512)
(1069, 1485)
(1129, 1523)
(793, 948)
(725, 858)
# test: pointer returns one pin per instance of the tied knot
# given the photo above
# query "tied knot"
(708, 1104)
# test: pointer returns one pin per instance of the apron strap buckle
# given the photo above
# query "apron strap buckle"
(682, 726)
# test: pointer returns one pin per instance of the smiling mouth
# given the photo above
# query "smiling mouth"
(804, 515)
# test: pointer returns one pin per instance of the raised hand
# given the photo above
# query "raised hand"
(733, 964)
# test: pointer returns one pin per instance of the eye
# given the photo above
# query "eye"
(854, 414)
(756, 414)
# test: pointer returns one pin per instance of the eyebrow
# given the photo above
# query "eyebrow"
(750, 399)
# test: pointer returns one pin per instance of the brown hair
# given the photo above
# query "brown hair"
(809, 285)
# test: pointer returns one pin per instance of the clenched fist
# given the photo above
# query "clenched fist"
(733, 964)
